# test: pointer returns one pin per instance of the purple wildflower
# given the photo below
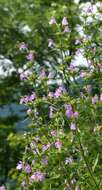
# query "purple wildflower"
(88, 9)
(59, 92)
(23, 185)
(28, 168)
(77, 42)
(68, 106)
(29, 111)
(58, 144)
(82, 74)
(42, 74)
(26, 99)
(33, 145)
(37, 177)
(23, 46)
(20, 165)
(68, 161)
(89, 62)
(33, 162)
(53, 132)
(75, 114)
(88, 88)
(67, 29)
(51, 43)
(32, 97)
(44, 162)
(69, 113)
(95, 99)
(64, 21)
(100, 67)
(30, 56)
(50, 94)
(77, 188)
(46, 147)
(2, 187)
(101, 98)
(22, 100)
(73, 126)
(37, 139)
(52, 21)
(50, 112)
(73, 181)
(23, 76)
(71, 67)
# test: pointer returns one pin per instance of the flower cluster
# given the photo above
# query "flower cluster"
(56, 153)
(27, 99)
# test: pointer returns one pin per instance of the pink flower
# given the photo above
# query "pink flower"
(82, 74)
(23, 76)
(75, 114)
(24, 99)
(37, 177)
(30, 56)
(51, 43)
(58, 144)
(27, 99)
(52, 21)
(64, 21)
(23, 46)
(53, 132)
(50, 94)
(101, 98)
(95, 99)
(59, 91)
(2, 187)
(73, 126)
(72, 67)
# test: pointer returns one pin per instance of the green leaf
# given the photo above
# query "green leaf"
(95, 164)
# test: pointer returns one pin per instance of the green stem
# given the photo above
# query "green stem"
(86, 162)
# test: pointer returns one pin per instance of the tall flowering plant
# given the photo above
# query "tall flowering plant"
(65, 105)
